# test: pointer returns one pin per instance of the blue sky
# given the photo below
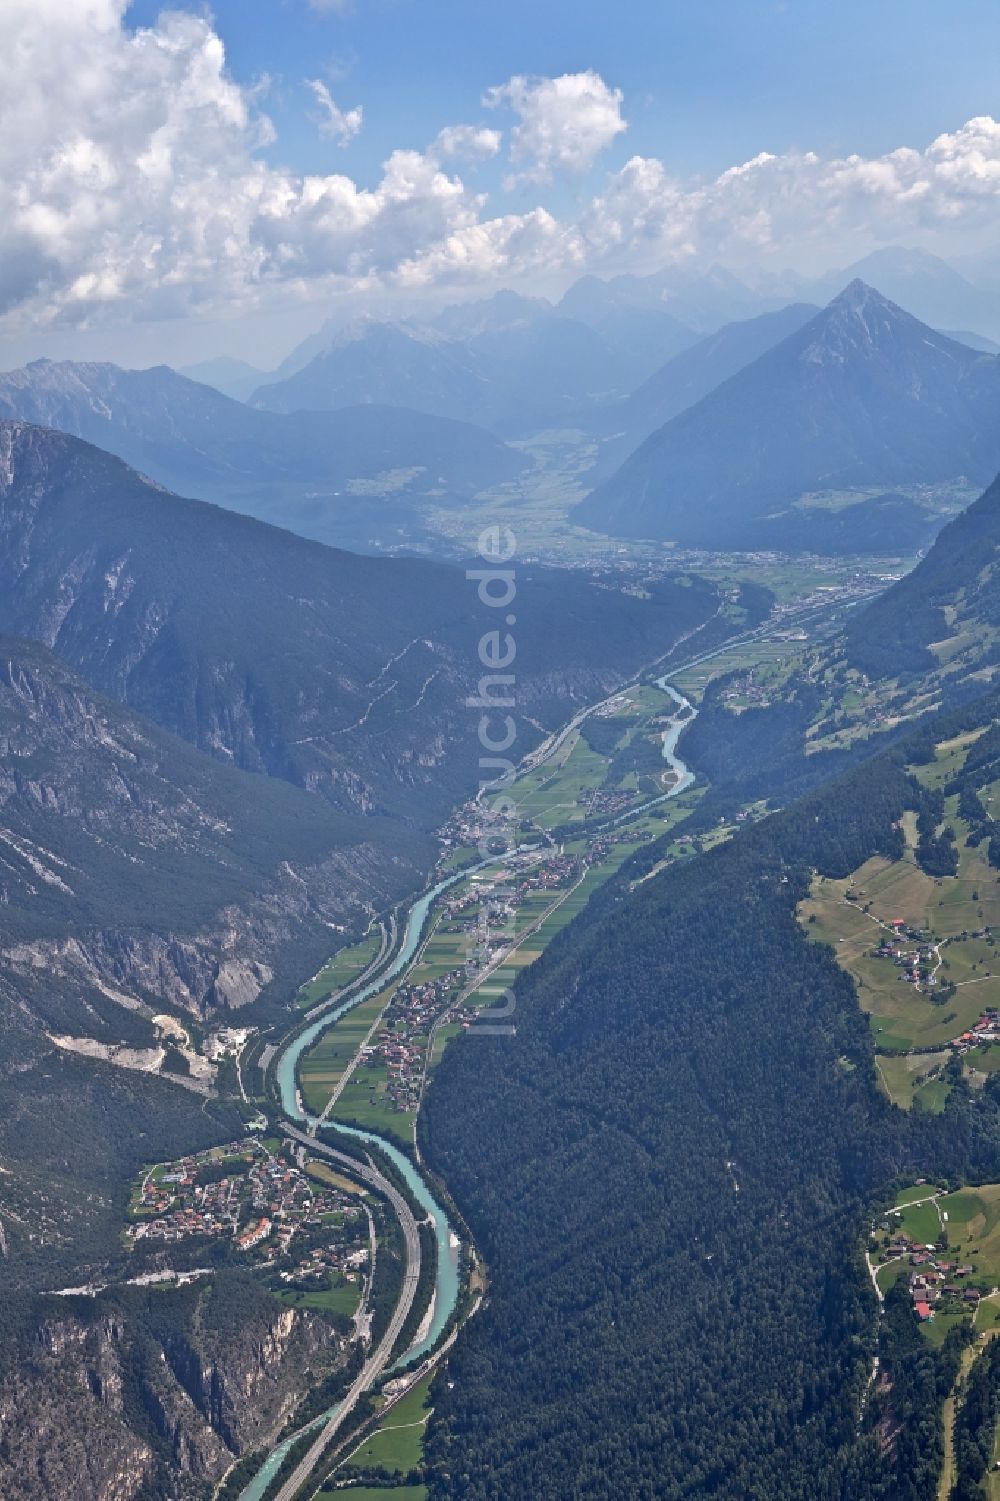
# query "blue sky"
(198, 177)
(707, 83)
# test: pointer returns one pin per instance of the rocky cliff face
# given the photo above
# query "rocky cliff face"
(133, 868)
(103, 1407)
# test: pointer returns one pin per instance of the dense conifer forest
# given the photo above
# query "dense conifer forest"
(669, 1169)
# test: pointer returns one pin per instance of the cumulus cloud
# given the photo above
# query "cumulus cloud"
(342, 125)
(132, 179)
(564, 123)
(468, 141)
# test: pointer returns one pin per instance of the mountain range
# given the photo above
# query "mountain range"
(220, 746)
(353, 477)
(798, 449)
(343, 674)
(514, 367)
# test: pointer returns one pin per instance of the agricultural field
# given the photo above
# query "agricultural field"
(914, 1079)
(339, 1296)
(921, 949)
(949, 759)
(769, 660)
(340, 970)
(902, 1015)
(969, 1218)
(328, 1175)
(321, 1067)
(552, 795)
(398, 1444)
(366, 1103)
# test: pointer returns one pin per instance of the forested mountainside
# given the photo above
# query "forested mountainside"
(667, 1169)
(316, 473)
(945, 615)
(342, 674)
(862, 400)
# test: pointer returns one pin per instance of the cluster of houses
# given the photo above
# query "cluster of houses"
(986, 1029)
(251, 1196)
(320, 1261)
(746, 691)
(402, 1038)
(605, 802)
(933, 1279)
(909, 950)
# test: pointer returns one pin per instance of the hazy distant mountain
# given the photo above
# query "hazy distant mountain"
(697, 299)
(863, 398)
(233, 378)
(391, 364)
(349, 477)
(346, 675)
(974, 341)
(511, 364)
(689, 377)
(927, 286)
(541, 373)
(632, 318)
(505, 309)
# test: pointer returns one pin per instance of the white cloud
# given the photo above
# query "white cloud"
(343, 125)
(132, 184)
(564, 123)
(469, 141)
(795, 202)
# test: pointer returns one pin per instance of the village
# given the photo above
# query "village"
(910, 950)
(919, 960)
(941, 1246)
(933, 1280)
(485, 917)
(248, 1194)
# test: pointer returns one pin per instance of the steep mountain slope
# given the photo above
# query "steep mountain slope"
(864, 398)
(145, 890)
(974, 341)
(133, 868)
(348, 476)
(695, 372)
(151, 1395)
(670, 1189)
(944, 617)
(687, 378)
(345, 675)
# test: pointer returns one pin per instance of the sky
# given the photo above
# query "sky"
(181, 182)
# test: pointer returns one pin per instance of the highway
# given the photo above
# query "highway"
(379, 1359)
